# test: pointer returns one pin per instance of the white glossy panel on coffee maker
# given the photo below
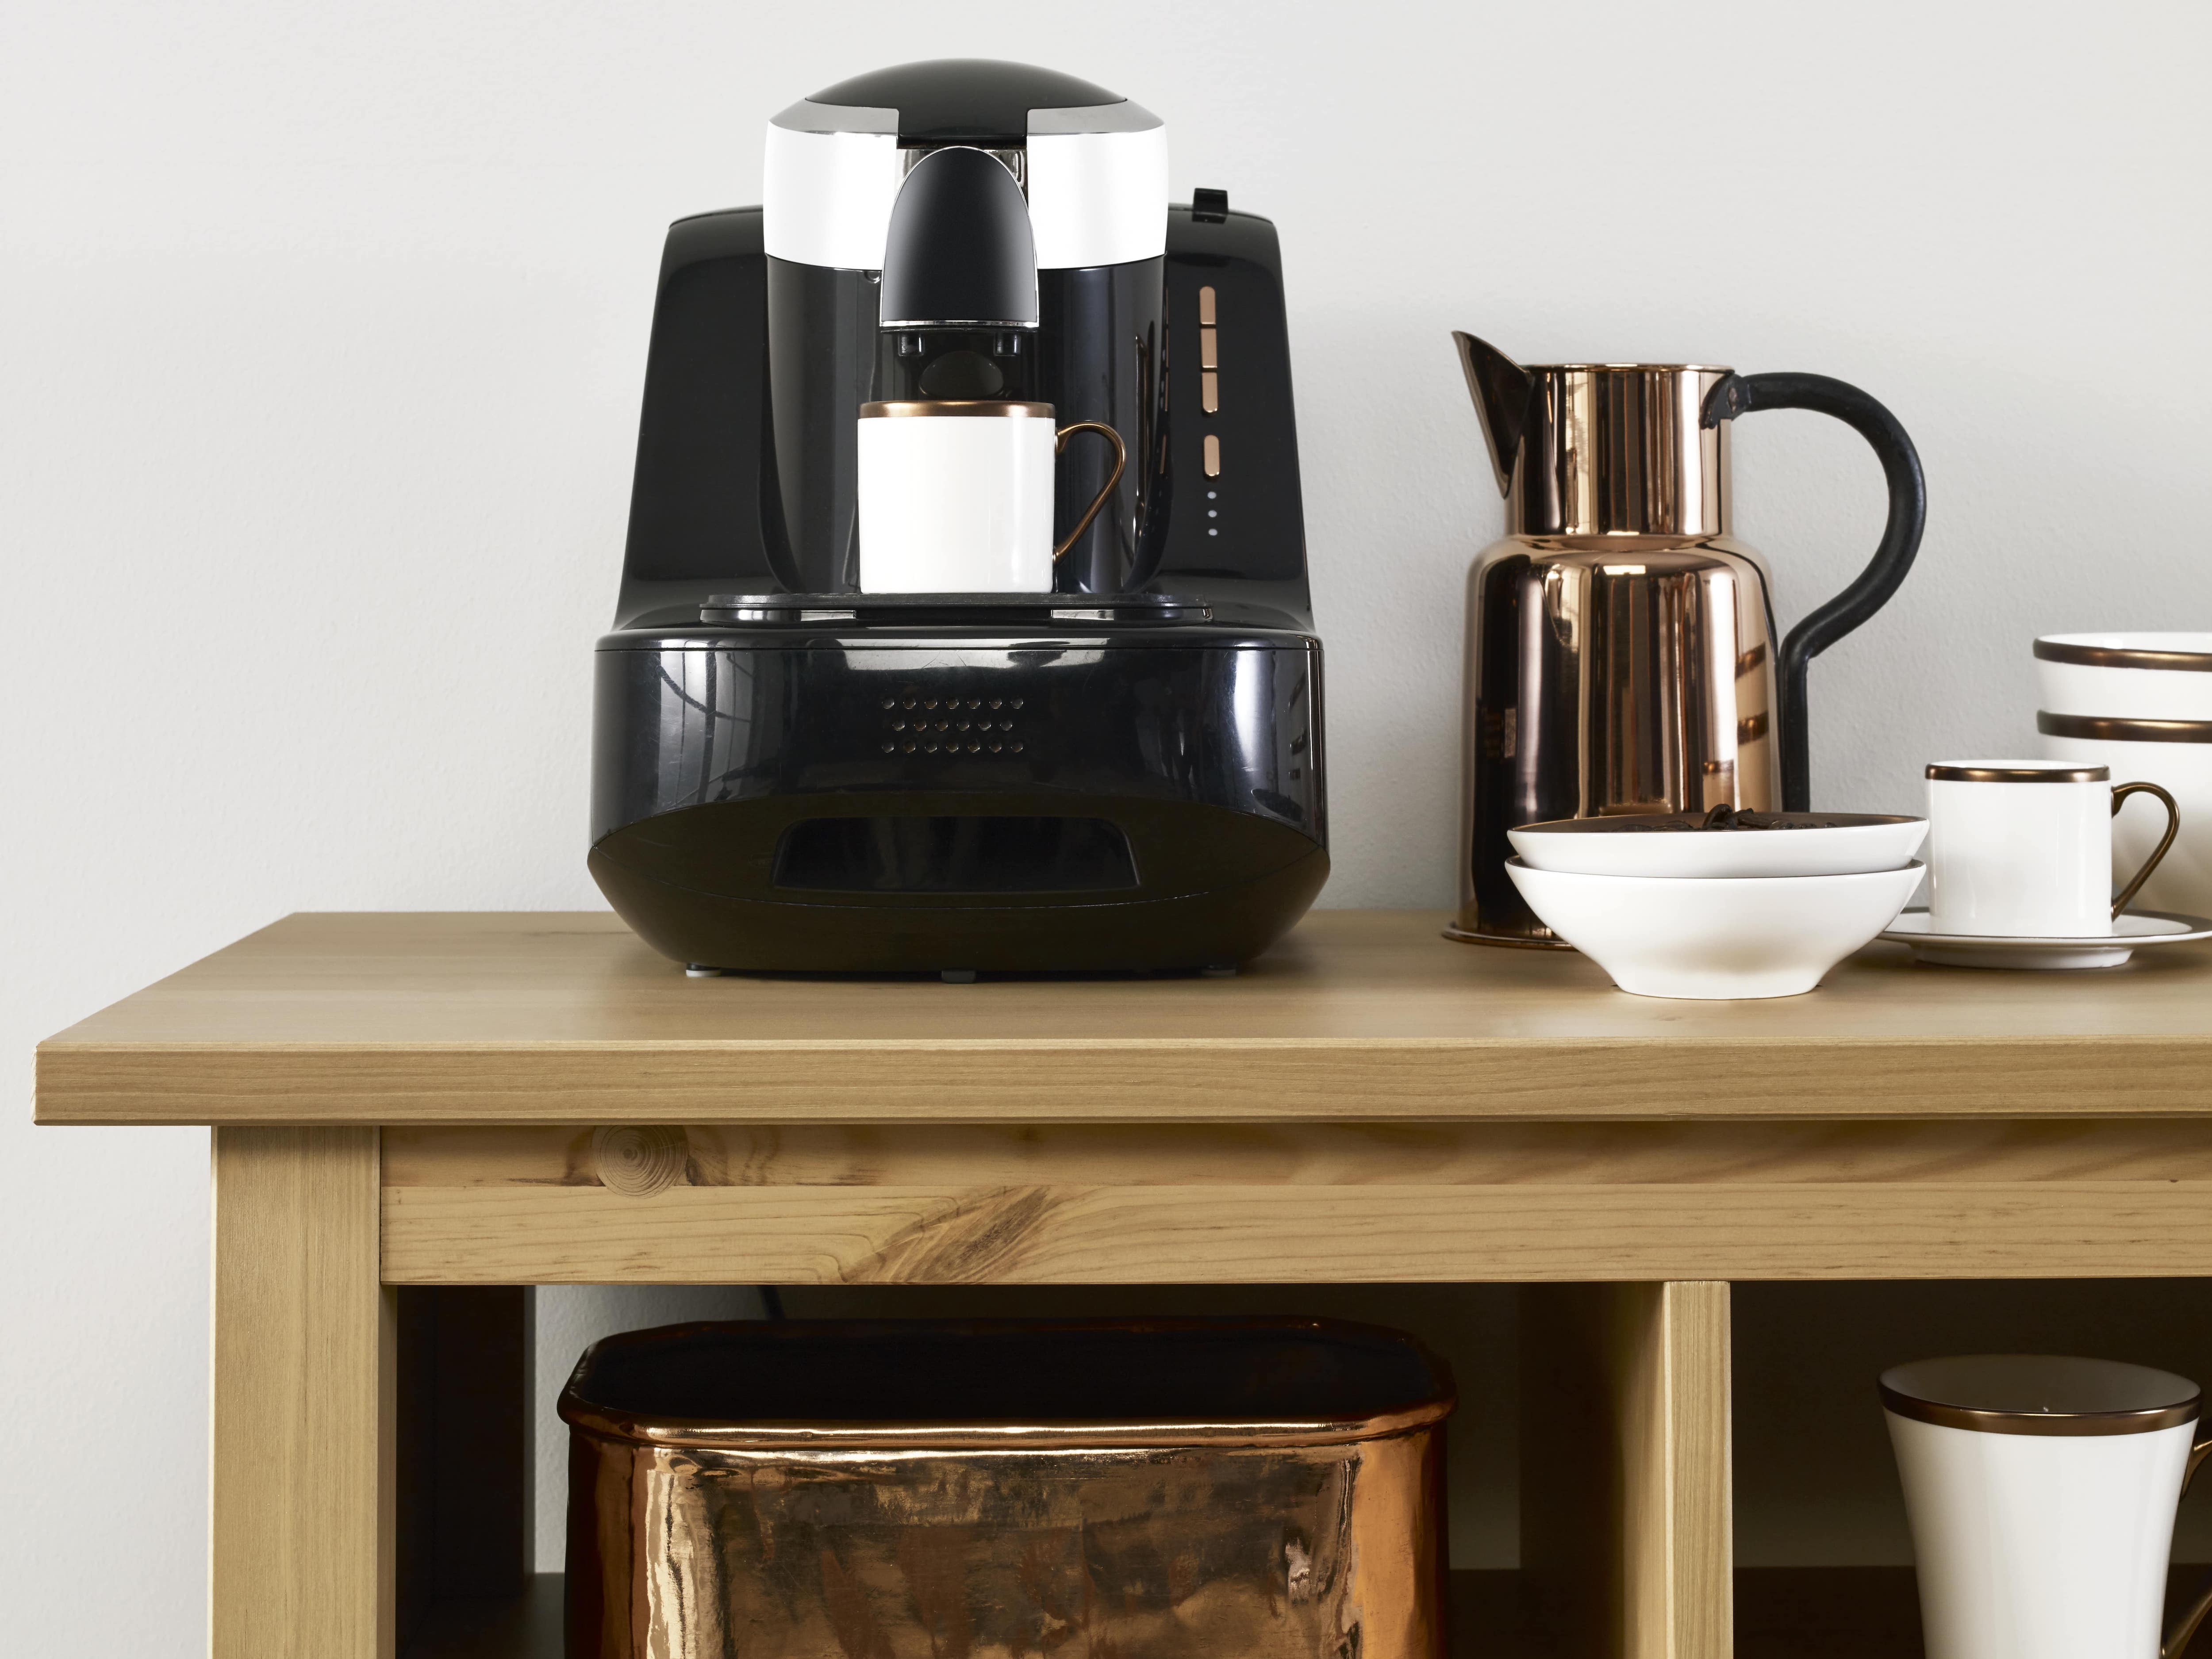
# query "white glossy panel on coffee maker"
(2127, 693)
(2040, 1546)
(2011, 858)
(2183, 880)
(1097, 185)
(955, 504)
(826, 197)
(1098, 198)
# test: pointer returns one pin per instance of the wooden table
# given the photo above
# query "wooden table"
(414, 1115)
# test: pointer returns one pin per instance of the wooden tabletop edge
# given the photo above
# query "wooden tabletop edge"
(63, 1047)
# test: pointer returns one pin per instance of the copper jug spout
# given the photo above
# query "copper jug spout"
(1500, 388)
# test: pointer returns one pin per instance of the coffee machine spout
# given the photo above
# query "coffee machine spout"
(1500, 388)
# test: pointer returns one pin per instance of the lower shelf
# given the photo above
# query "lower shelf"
(1781, 1613)
(1826, 1612)
(527, 1627)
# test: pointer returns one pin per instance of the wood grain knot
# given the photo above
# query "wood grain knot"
(982, 1237)
(639, 1162)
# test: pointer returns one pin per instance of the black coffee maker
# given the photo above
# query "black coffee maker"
(1123, 773)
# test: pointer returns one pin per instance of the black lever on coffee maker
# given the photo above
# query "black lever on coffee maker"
(958, 300)
(1742, 394)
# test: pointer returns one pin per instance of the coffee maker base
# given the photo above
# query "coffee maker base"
(657, 875)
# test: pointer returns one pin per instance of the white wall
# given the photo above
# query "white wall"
(321, 332)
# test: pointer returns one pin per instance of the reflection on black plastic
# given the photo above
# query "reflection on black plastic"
(955, 855)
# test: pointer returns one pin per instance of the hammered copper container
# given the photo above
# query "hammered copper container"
(1176, 1489)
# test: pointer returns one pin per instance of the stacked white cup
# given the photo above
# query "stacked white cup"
(2140, 704)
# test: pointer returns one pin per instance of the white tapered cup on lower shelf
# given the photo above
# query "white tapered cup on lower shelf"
(2041, 1492)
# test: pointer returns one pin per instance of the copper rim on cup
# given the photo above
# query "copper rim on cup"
(2122, 729)
(909, 407)
(1957, 771)
(2040, 1394)
(2058, 650)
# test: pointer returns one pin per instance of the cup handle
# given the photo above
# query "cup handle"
(2178, 1634)
(2173, 824)
(1121, 461)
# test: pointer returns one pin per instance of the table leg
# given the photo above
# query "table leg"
(1627, 1535)
(301, 1535)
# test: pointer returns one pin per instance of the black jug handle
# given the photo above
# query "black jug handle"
(1742, 394)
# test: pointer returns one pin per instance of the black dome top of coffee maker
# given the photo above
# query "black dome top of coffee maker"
(966, 101)
(959, 251)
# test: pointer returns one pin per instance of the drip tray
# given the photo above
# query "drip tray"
(1010, 609)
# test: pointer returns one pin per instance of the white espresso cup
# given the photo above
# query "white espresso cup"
(2041, 1492)
(956, 495)
(2023, 849)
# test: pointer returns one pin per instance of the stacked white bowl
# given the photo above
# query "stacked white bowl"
(2141, 704)
(1680, 905)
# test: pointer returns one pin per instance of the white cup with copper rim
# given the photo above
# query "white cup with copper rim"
(2041, 1492)
(2023, 849)
(956, 495)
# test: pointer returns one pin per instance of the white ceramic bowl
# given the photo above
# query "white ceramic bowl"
(2136, 676)
(2183, 880)
(1725, 936)
(1669, 845)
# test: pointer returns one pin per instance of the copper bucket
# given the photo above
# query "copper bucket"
(1167, 1489)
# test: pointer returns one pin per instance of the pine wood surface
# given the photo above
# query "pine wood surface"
(1627, 1535)
(1349, 1204)
(304, 1383)
(1687, 1570)
(645, 1159)
(566, 1018)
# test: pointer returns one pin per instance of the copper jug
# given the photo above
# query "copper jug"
(1620, 642)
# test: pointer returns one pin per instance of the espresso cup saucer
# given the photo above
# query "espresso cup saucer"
(2131, 931)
